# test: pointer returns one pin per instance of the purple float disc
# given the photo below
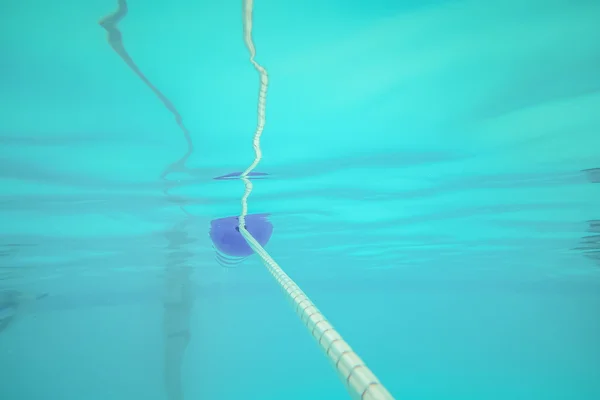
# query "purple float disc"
(225, 234)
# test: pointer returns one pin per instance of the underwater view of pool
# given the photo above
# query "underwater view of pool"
(315, 200)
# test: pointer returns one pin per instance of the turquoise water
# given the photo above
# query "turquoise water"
(431, 186)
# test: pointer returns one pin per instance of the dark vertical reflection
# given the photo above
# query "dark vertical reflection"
(178, 304)
(178, 296)
(115, 39)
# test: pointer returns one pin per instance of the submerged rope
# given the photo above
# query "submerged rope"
(262, 104)
(358, 378)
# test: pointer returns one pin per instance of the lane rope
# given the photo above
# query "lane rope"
(359, 380)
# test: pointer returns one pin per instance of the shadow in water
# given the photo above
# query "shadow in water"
(592, 174)
(589, 245)
(178, 303)
(178, 296)
(179, 299)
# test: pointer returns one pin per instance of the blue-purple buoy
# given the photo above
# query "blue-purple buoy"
(230, 245)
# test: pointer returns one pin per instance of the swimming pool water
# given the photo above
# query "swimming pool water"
(431, 177)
